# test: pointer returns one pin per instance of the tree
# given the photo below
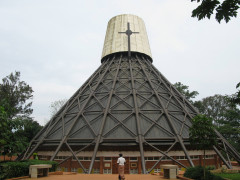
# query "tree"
(15, 96)
(230, 127)
(183, 89)
(236, 96)
(15, 111)
(28, 129)
(202, 134)
(56, 106)
(226, 116)
(4, 127)
(214, 107)
(224, 10)
(19, 135)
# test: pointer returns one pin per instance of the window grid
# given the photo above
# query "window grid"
(181, 157)
(157, 170)
(96, 171)
(209, 156)
(59, 157)
(194, 157)
(107, 171)
(133, 171)
(156, 158)
(74, 170)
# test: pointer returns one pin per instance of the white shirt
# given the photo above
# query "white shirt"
(121, 161)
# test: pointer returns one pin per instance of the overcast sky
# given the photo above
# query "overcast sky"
(57, 45)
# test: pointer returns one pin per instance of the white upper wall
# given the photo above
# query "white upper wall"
(118, 42)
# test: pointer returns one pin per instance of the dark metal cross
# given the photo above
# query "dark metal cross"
(128, 32)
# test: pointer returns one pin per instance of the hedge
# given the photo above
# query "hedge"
(13, 169)
(197, 174)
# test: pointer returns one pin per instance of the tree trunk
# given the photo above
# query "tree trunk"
(204, 164)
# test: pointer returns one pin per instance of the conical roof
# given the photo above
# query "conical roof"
(126, 102)
(122, 99)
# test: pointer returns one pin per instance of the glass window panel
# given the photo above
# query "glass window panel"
(150, 158)
(80, 158)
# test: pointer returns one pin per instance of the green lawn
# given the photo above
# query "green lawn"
(230, 176)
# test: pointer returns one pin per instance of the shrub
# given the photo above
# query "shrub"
(210, 168)
(197, 174)
(21, 168)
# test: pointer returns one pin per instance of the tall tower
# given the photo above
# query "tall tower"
(126, 106)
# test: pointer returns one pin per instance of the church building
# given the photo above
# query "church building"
(126, 106)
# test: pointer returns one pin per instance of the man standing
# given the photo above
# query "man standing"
(121, 162)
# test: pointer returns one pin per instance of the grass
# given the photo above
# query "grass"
(230, 176)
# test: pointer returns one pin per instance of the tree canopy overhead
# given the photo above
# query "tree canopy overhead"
(224, 10)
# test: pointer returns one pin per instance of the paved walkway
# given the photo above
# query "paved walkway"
(101, 177)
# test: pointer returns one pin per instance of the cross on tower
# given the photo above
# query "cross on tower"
(128, 32)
